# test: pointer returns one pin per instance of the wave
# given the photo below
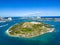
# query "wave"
(3, 25)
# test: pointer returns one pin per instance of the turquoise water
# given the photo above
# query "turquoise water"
(46, 39)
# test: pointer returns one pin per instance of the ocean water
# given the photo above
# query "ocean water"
(45, 39)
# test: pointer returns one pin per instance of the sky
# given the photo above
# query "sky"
(29, 8)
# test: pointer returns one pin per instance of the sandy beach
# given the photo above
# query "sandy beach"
(17, 35)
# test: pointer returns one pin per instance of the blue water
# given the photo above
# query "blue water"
(46, 39)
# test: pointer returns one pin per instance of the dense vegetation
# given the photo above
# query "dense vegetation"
(28, 29)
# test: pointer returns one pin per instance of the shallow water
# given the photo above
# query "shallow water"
(46, 39)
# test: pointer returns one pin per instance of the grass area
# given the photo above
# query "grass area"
(30, 29)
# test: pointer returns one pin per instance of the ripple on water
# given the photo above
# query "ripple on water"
(46, 38)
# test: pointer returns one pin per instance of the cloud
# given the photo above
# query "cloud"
(30, 13)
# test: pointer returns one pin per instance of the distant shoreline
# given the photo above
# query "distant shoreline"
(33, 16)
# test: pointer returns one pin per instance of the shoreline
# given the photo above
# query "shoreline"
(7, 32)
(25, 37)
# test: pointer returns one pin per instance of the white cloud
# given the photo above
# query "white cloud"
(30, 13)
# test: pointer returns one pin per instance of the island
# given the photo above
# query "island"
(29, 29)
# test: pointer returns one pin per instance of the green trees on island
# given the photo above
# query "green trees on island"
(29, 29)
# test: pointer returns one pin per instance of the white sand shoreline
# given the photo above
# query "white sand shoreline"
(7, 32)
(26, 37)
